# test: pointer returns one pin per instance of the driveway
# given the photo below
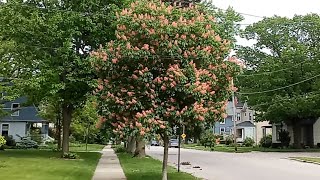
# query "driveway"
(242, 166)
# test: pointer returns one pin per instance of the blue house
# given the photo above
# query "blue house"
(20, 120)
(245, 125)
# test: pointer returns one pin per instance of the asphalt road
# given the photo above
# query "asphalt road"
(242, 166)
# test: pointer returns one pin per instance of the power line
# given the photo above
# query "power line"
(307, 96)
(270, 72)
(284, 87)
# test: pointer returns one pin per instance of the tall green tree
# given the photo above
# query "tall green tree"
(282, 76)
(51, 40)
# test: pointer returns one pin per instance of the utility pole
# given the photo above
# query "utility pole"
(234, 120)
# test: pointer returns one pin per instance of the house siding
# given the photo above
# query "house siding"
(228, 126)
(259, 130)
(15, 128)
(316, 132)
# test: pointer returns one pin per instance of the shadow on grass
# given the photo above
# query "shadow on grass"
(148, 169)
(45, 154)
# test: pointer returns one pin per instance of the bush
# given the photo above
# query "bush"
(229, 140)
(10, 141)
(248, 142)
(2, 142)
(284, 138)
(120, 149)
(70, 156)
(27, 143)
(208, 139)
(266, 141)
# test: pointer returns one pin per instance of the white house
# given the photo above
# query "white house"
(245, 125)
(19, 122)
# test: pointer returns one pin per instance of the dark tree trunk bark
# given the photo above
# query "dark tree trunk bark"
(140, 150)
(66, 115)
(296, 128)
(165, 157)
(131, 144)
(58, 131)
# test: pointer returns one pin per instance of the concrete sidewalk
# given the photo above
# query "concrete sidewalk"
(109, 167)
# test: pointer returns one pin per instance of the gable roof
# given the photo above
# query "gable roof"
(26, 113)
(246, 124)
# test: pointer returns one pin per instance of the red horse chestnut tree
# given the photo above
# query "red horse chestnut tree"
(166, 68)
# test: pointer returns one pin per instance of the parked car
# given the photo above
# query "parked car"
(173, 143)
(154, 143)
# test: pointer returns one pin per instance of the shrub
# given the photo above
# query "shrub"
(70, 156)
(284, 138)
(120, 149)
(2, 142)
(208, 139)
(27, 143)
(229, 140)
(266, 141)
(10, 141)
(248, 142)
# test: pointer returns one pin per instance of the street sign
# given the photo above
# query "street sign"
(183, 136)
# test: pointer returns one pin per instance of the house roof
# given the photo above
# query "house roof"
(246, 124)
(26, 113)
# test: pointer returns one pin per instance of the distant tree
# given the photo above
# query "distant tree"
(285, 57)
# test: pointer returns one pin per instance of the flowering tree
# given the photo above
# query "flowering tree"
(166, 68)
(2, 142)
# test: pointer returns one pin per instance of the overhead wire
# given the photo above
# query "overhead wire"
(271, 72)
(280, 88)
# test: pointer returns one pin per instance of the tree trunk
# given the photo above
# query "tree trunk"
(140, 150)
(165, 157)
(296, 135)
(58, 132)
(66, 115)
(131, 145)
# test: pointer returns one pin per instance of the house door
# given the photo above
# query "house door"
(5, 130)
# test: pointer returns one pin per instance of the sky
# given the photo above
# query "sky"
(268, 8)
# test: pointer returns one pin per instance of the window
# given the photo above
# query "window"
(5, 130)
(222, 130)
(250, 118)
(245, 114)
(15, 107)
(223, 122)
(238, 117)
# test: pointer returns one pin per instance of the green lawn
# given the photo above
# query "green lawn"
(148, 169)
(219, 148)
(224, 148)
(308, 159)
(82, 147)
(46, 165)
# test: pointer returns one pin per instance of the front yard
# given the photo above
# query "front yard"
(16, 164)
(224, 148)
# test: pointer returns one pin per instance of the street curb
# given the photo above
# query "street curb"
(305, 161)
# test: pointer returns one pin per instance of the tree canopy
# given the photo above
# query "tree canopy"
(282, 76)
(47, 44)
(166, 68)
